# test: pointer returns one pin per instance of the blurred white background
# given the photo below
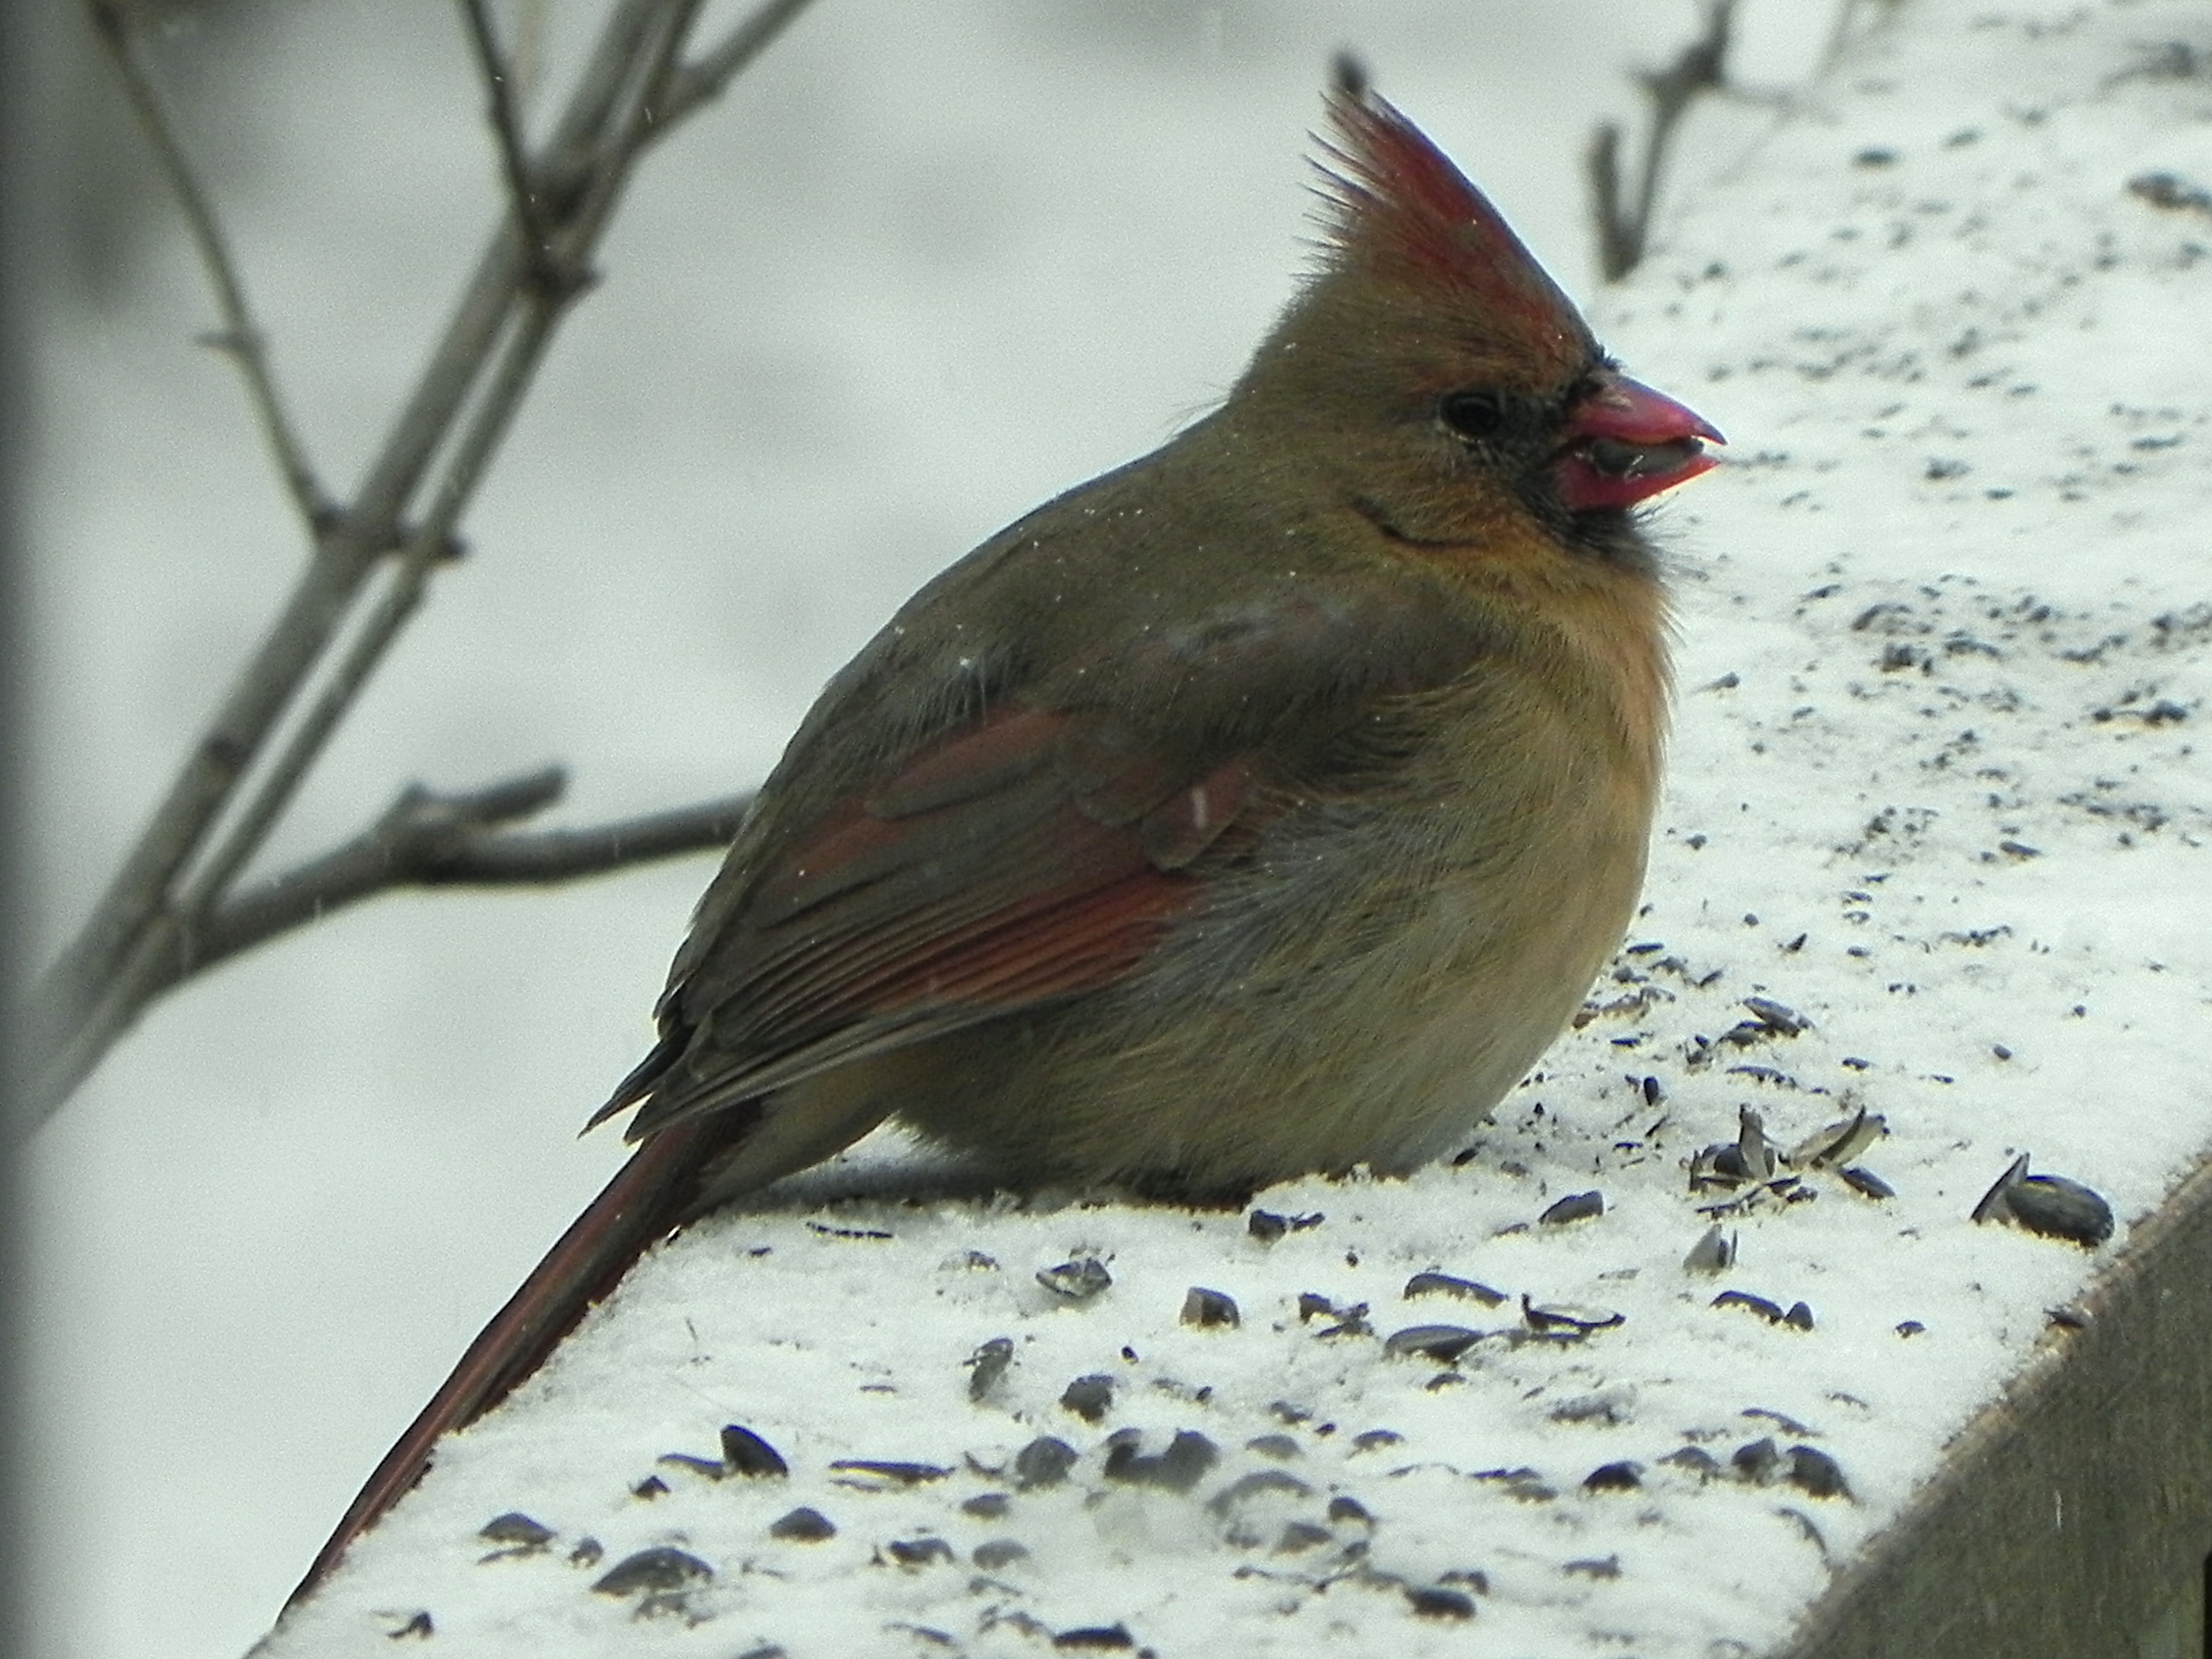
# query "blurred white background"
(923, 267)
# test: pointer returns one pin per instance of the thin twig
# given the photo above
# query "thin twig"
(702, 80)
(506, 128)
(240, 336)
(1624, 230)
(431, 840)
(1619, 241)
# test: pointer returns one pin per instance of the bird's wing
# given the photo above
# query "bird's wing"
(1029, 854)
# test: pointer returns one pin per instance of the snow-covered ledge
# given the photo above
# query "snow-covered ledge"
(1935, 848)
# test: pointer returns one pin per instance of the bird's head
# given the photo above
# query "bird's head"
(1432, 372)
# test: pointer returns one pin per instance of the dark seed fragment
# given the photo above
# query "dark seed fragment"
(1436, 1602)
(823, 1229)
(915, 1554)
(2059, 1208)
(996, 1552)
(877, 1472)
(802, 1526)
(1445, 1284)
(1866, 1182)
(1178, 1468)
(651, 1487)
(748, 1455)
(1444, 1343)
(1800, 1316)
(1097, 1636)
(1781, 1020)
(1044, 1461)
(515, 1528)
(420, 1625)
(1353, 1321)
(2052, 1206)
(1209, 1309)
(1606, 1566)
(1567, 1317)
(1079, 1280)
(1298, 1536)
(988, 1365)
(1750, 1303)
(1575, 1206)
(1624, 1476)
(1813, 1471)
(586, 1552)
(1089, 1397)
(661, 1568)
(1343, 1509)
(1755, 1460)
(986, 1505)
(1376, 1440)
(1280, 1447)
(713, 1468)
(1267, 1226)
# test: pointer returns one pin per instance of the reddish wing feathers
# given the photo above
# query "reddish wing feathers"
(1395, 198)
(1024, 859)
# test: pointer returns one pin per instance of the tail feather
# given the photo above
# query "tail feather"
(651, 1194)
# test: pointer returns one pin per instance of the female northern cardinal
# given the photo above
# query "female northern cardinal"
(1263, 807)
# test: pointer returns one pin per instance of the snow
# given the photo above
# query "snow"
(1935, 788)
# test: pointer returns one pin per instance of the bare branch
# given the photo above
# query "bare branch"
(430, 839)
(240, 336)
(702, 80)
(1624, 229)
(506, 128)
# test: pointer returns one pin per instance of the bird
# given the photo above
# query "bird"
(1263, 807)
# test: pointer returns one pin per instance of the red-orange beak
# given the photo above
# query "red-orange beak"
(1626, 442)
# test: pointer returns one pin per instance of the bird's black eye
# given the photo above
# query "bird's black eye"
(1472, 413)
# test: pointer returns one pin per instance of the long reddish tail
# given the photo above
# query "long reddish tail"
(649, 1195)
